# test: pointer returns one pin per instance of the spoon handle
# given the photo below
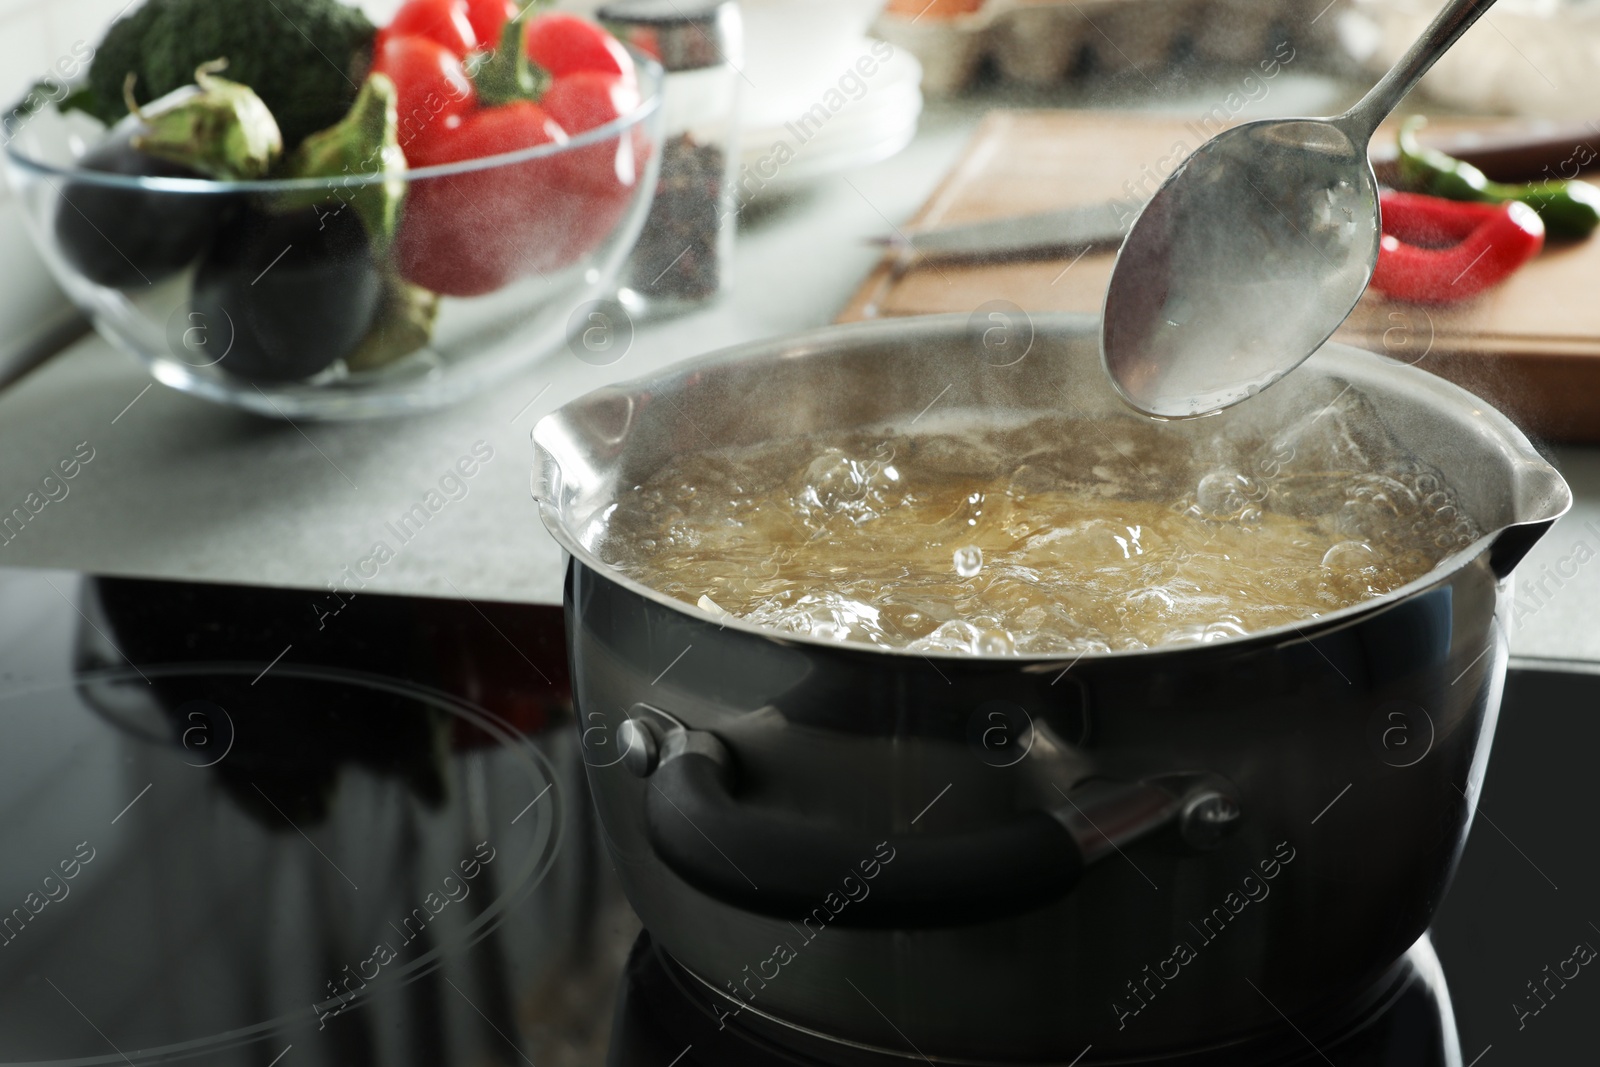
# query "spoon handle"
(1445, 29)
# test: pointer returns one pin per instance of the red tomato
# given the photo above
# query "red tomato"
(433, 90)
(444, 21)
(473, 233)
(604, 174)
(488, 18)
(564, 44)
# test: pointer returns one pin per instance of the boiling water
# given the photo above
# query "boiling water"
(1050, 537)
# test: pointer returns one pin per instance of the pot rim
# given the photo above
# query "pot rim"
(820, 340)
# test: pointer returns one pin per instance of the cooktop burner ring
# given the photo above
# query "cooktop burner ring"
(1343, 1024)
(121, 697)
(256, 670)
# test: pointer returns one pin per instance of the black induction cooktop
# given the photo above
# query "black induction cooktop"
(283, 828)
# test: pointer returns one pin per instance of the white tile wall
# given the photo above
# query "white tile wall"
(35, 33)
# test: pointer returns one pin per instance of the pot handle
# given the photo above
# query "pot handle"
(787, 867)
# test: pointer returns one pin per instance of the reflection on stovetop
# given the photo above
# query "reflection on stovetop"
(238, 824)
(663, 1009)
(277, 827)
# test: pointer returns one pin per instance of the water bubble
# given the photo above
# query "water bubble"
(1033, 643)
(1227, 626)
(906, 621)
(831, 477)
(1060, 542)
(953, 636)
(1225, 494)
(994, 643)
(1350, 557)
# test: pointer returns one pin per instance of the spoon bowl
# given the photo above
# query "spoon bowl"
(1258, 246)
(1255, 249)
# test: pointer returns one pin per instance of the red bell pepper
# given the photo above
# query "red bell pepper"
(433, 92)
(1437, 251)
(488, 17)
(444, 21)
(603, 175)
(476, 232)
(563, 43)
(551, 76)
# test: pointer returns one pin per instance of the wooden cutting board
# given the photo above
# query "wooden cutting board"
(1531, 346)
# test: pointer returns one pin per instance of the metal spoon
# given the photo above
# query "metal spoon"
(1255, 250)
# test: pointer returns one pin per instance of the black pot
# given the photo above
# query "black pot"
(992, 859)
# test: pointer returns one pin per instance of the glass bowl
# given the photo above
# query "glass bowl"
(185, 273)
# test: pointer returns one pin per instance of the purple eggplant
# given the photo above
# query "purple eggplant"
(288, 293)
(128, 238)
(294, 283)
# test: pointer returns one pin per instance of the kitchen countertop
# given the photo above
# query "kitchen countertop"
(180, 488)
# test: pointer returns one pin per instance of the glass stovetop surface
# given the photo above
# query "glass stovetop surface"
(280, 827)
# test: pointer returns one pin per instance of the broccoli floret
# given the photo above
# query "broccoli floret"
(304, 58)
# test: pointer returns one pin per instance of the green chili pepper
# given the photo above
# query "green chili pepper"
(1569, 209)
